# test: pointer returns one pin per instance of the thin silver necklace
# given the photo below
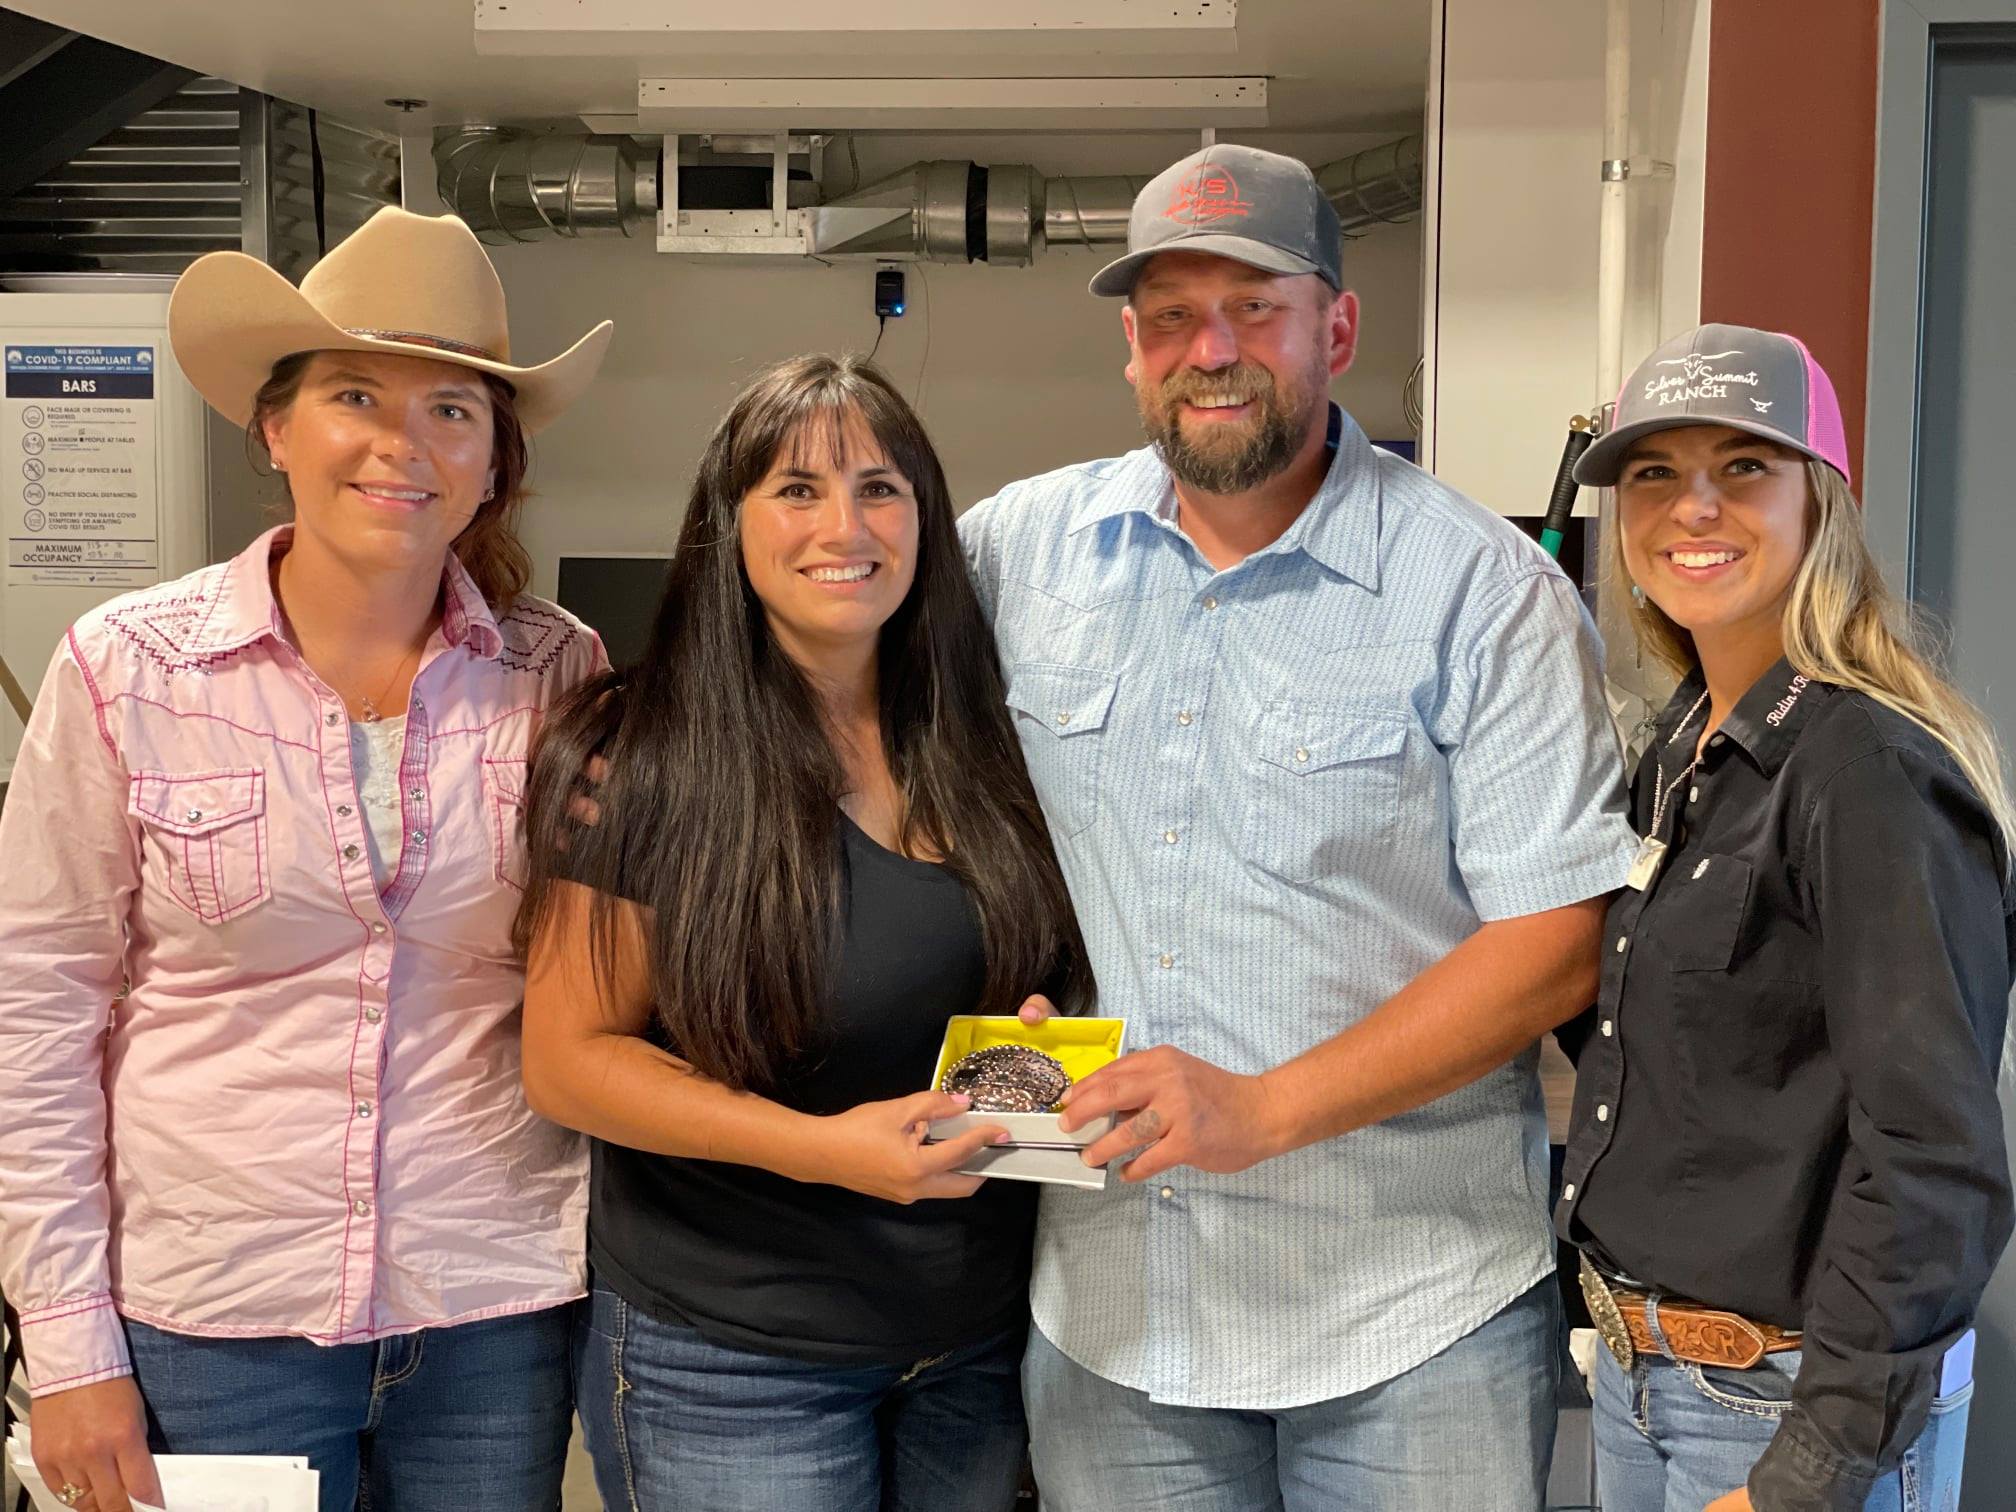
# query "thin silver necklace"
(1652, 850)
(369, 706)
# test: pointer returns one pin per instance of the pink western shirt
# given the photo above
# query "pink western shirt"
(303, 1116)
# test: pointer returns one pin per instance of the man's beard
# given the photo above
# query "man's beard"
(1232, 458)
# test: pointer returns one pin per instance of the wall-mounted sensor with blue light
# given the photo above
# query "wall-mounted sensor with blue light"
(888, 292)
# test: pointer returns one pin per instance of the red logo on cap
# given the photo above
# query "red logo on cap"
(1208, 194)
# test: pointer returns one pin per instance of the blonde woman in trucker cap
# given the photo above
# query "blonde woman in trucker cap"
(1786, 1169)
(268, 1181)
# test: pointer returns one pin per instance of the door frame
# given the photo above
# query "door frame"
(1912, 32)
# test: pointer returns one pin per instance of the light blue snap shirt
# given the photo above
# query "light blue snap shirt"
(1279, 792)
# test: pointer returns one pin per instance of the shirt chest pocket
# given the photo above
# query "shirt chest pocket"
(504, 815)
(207, 833)
(1700, 911)
(1061, 715)
(1323, 788)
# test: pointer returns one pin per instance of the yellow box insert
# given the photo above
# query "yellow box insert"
(1081, 1045)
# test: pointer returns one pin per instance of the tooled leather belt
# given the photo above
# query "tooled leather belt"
(1697, 1334)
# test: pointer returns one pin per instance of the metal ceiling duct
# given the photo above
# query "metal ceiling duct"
(963, 212)
(1085, 211)
(1379, 186)
(1013, 208)
(510, 186)
(920, 213)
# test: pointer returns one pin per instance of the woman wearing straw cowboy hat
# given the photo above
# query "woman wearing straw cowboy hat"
(268, 1182)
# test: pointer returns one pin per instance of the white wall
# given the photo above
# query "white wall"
(1018, 369)
(1516, 144)
(1515, 119)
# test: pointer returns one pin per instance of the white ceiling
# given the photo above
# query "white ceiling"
(1335, 65)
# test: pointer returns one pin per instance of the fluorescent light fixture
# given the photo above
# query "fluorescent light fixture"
(765, 105)
(822, 29)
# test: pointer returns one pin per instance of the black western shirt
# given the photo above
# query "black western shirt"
(1785, 1103)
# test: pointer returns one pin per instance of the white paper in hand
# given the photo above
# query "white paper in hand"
(235, 1483)
(196, 1482)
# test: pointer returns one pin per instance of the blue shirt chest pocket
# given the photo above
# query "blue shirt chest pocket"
(1323, 788)
(1061, 714)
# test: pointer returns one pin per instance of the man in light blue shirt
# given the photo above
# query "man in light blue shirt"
(1324, 750)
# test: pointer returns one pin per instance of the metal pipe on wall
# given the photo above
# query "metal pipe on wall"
(1614, 226)
(1082, 212)
(1634, 686)
(1379, 186)
(511, 186)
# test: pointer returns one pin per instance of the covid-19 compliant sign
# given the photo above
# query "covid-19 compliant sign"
(78, 471)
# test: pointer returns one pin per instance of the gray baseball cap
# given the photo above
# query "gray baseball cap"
(1762, 382)
(1252, 206)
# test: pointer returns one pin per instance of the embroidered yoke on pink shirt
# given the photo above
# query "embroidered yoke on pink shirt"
(305, 1117)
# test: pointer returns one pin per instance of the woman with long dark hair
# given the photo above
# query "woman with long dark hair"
(815, 842)
(1786, 1169)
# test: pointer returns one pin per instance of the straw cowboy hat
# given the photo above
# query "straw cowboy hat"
(411, 285)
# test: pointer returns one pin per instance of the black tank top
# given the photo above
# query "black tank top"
(755, 1260)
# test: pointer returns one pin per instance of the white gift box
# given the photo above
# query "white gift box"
(1037, 1148)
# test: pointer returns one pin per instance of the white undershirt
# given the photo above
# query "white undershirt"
(375, 749)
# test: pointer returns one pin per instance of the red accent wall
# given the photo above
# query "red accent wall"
(1791, 179)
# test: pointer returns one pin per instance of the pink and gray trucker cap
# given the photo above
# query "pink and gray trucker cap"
(1245, 203)
(1762, 382)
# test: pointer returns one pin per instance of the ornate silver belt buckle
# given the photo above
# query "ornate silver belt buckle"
(1609, 1321)
(1008, 1079)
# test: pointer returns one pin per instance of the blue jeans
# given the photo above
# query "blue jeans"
(1470, 1428)
(1671, 1437)
(674, 1421)
(473, 1415)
